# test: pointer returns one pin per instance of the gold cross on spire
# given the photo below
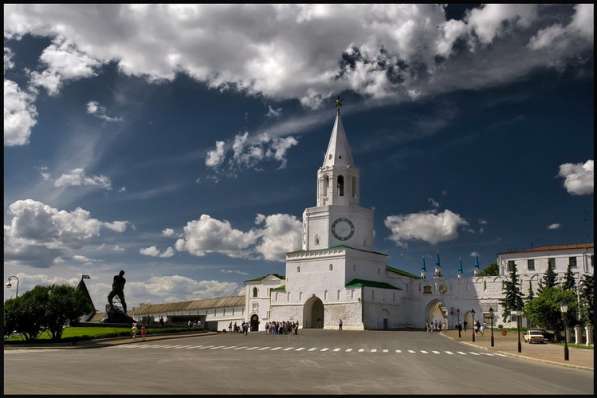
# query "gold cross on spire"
(338, 103)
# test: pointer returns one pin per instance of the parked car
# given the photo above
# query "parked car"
(534, 336)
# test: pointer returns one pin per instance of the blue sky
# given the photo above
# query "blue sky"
(184, 151)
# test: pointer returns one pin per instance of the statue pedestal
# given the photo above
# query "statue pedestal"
(577, 335)
(589, 334)
(117, 315)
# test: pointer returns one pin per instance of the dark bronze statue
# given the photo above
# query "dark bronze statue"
(118, 290)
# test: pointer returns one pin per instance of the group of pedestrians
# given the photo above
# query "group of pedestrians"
(477, 326)
(283, 327)
(236, 328)
(134, 330)
(435, 326)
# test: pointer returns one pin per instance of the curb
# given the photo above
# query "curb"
(111, 341)
(509, 354)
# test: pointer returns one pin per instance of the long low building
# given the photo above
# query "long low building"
(216, 313)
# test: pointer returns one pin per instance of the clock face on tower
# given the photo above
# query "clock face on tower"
(342, 228)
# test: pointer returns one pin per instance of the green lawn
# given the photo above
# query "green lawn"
(572, 345)
(90, 332)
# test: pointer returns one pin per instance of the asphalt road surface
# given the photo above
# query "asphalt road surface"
(314, 362)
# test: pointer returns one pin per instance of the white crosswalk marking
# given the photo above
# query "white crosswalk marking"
(324, 349)
(336, 349)
(461, 353)
(216, 347)
(229, 348)
(300, 349)
(449, 352)
(374, 350)
(361, 349)
(348, 350)
(252, 348)
(263, 348)
(276, 348)
(412, 352)
(398, 351)
(474, 353)
(205, 347)
(312, 349)
(501, 355)
(424, 352)
(195, 346)
(385, 350)
(288, 348)
(435, 352)
(240, 348)
(488, 354)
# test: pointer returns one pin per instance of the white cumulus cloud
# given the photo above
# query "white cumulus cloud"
(94, 108)
(20, 114)
(168, 232)
(428, 226)
(553, 226)
(155, 252)
(77, 178)
(578, 177)
(281, 233)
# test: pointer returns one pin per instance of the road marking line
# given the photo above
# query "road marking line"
(263, 348)
(348, 350)
(461, 353)
(501, 355)
(195, 346)
(412, 352)
(312, 349)
(488, 354)
(475, 353)
(205, 347)
(424, 352)
(435, 352)
(288, 349)
(252, 348)
(449, 352)
(336, 349)
(276, 348)
(385, 350)
(361, 349)
(300, 349)
(324, 349)
(398, 351)
(228, 348)
(240, 348)
(374, 350)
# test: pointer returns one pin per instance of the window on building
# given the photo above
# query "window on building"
(531, 264)
(288, 297)
(572, 262)
(298, 269)
(511, 264)
(331, 267)
(340, 186)
(352, 294)
(300, 296)
(325, 295)
(276, 297)
(338, 295)
(354, 187)
(372, 294)
(326, 185)
(255, 291)
(224, 311)
(551, 263)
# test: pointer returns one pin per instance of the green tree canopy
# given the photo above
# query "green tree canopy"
(490, 270)
(512, 295)
(569, 282)
(65, 303)
(587, 299)
(544, 310)
(549, 279)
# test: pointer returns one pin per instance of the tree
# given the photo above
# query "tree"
(569, 282)
(65, 303)
(25, 314)
(512, 295)
(544, 310)
(549, 278)
(587, 299)
(529, 298)
(491, 270)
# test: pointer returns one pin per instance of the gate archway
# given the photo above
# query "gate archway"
(313, 313)
(254, 323)
(435, 313)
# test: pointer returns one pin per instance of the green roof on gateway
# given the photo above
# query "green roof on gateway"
(401, 272)
(265, 276)
(364, 283)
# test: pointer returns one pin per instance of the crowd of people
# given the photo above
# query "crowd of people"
(438, 326)
(283, 327)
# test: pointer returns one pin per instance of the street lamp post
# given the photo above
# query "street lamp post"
(473, 312)
(9, 285)
(518, 314)
(564, 309)
(459, 326)
(491, 317)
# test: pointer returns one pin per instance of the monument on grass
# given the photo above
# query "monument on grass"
(117, 314)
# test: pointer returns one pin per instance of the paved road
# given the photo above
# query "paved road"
(324, 362)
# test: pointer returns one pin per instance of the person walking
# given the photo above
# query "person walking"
(465, 323)
(143, 331)
(459, 327)
(230, 327)
(134, 330)
(340, 325)
(482, 328)
(161, 321)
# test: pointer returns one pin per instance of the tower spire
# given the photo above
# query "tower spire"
(338, 153)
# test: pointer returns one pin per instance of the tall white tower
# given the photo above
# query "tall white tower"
(338, 219)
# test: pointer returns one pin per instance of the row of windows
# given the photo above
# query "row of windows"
(340, 185)
(331, 268)
(551, 262)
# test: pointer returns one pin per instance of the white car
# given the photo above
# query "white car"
(534, 336)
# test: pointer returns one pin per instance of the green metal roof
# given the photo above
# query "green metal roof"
(265, 276)
(365, 283)
(401, 272)
(338, 247)
(279, 289)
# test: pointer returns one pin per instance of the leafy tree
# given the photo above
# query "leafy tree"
(549, 279)
(569, 282)
(587, 299)
(491, 270)
(512, 295)
(544, 310)
(25, 314)
(531, 293)
(65, 303)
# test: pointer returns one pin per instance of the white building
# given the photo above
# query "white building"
(337, 275)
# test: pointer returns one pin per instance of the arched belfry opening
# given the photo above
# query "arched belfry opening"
(340, 185)
(313, 313)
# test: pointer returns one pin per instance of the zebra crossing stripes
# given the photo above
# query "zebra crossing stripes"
(263, 348)
(449, 352)
(474, 353)
(288, 348)
(412, 351)
(324, 349)
(312, 349)
(385, 350)
(300, 349)
(435, 352)
(424, 352)
(373, 350)
(274, 349)
(398, 351)
(336, 349)
(361, 349)
(348, 350)
(461, 353)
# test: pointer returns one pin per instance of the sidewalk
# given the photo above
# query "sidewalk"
(547, 353)
(96, 343)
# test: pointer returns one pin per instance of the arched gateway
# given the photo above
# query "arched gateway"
(254, 323)
(435, 312)
(313, 313)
